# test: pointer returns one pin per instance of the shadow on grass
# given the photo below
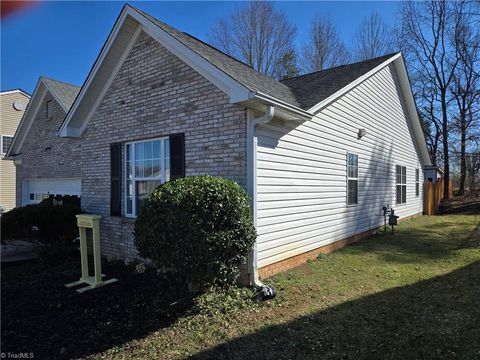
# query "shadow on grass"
(41, 316)
(432, 319)
(430, 242)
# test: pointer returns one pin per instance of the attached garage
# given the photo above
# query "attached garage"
(34, 191)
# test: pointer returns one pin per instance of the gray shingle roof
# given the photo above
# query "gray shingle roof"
(237, 70)
(310, 89)
(65, 93)
(303, 91)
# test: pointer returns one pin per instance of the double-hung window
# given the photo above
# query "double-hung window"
(147, 165)
(417, 182)
(352, 179)
(6, 141)
(401, 182)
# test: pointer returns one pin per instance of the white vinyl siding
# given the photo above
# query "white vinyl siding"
(301, 172)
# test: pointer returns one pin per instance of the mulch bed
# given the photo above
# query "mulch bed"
(41, 316)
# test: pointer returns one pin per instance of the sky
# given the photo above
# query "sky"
(62, 39)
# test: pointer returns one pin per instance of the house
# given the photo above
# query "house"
(319, 154)
(46, 164)
(433, 173)
(13, 105)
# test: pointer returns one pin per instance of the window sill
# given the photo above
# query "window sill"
(128, 220)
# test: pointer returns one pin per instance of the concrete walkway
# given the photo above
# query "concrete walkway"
(17, 250)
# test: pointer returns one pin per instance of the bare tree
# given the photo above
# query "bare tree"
(324, 48)
(259, 35)
(466, 87)
(427, 35)
(373, 38)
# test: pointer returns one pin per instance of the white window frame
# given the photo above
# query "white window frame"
(403, 184)
(352, 178)
(1, 143)
(135, 178)
(417, 182)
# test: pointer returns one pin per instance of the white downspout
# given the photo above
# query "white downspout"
(252, 123)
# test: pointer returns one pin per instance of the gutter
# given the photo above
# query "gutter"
(270, 100)
(265, 291)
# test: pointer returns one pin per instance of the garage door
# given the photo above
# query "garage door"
(35, 191)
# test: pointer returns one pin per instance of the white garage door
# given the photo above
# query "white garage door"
(35, 191)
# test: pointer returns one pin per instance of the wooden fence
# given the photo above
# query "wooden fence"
(432, 195)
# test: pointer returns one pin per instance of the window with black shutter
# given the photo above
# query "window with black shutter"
(177, 156)
(149, 163)
(115, 179)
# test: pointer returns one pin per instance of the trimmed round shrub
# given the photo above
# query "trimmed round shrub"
(199, 227)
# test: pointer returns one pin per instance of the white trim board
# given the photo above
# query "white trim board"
(15, 91)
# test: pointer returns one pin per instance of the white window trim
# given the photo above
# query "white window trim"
(134, 178)
(350, 178)
(402, 184)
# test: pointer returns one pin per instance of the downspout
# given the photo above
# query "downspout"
(265, 291)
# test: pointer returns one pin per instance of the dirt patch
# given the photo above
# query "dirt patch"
(465, 204)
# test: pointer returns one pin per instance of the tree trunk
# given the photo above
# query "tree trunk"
(446, 162)
(463, 162)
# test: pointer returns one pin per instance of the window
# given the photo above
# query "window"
(352, 179)
(417, 182)
(6, 141)
(401, 181)
(49, 112)
(35, 198)
(147, 166)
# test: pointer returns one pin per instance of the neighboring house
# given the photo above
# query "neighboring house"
(13, 104)
(320, 154)
(46, 164)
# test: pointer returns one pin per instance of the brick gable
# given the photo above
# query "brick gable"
(155, 94)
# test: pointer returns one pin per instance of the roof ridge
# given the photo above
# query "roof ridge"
(339, 66)
(220, 51)
(58, 81)
(190, 35)
(251, 78)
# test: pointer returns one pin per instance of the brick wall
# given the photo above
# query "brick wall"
(156, 94)
(44, 154)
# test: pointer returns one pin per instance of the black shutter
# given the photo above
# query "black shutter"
(177, 156)
(115, 179)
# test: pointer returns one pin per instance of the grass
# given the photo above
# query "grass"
(415, 294)
(411, 295)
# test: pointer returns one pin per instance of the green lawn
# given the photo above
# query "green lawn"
(411, 295)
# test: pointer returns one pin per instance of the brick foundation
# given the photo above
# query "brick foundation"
(300, 259)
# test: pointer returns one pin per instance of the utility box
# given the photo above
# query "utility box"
(392, 218)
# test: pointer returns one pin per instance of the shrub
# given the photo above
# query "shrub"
(51, 225)
(198, 226)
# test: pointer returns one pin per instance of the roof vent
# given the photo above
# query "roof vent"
(19, 105)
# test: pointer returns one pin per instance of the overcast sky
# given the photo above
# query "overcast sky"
(61, 40)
